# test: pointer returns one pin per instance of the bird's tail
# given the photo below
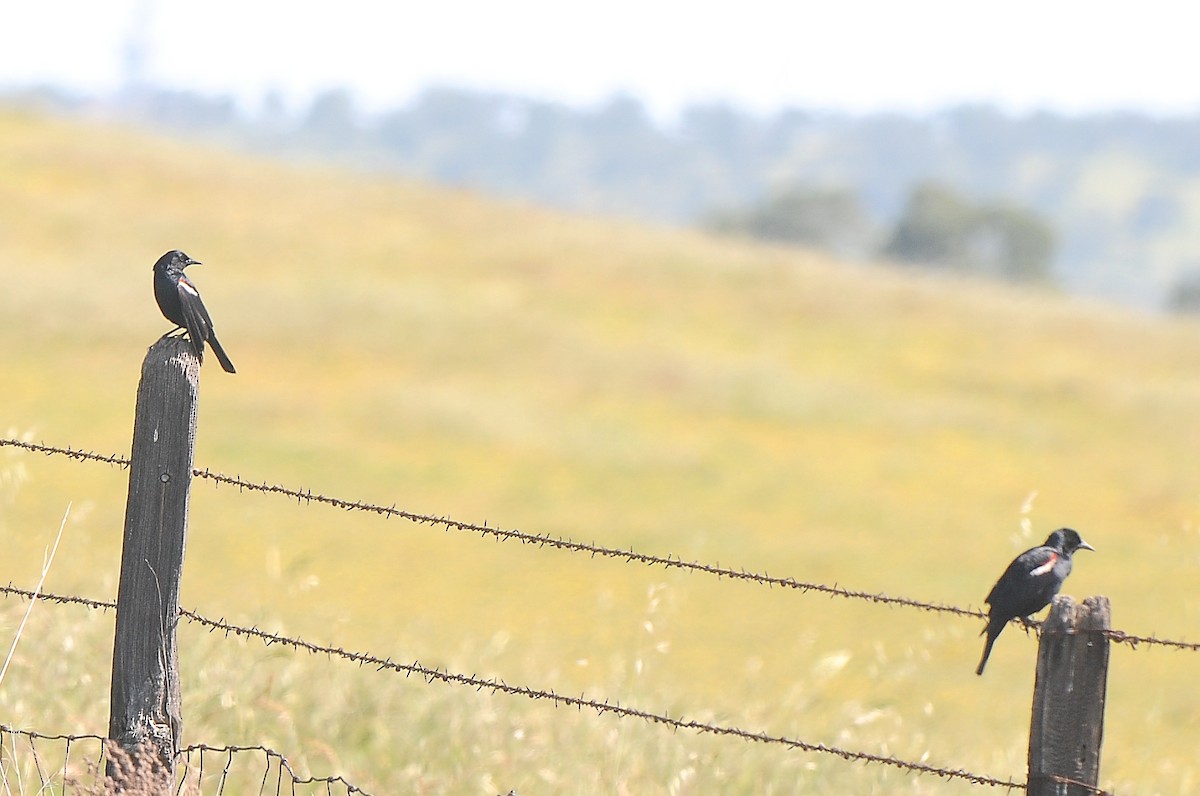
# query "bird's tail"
(987, 648)
(226, 365)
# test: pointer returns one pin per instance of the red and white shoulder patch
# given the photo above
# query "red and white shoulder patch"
(1045, 568)
(188, 287)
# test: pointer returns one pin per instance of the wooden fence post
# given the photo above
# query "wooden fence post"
(1068, 699)
(144, 709)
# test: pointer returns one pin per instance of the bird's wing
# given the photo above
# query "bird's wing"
(1030, 565)
(195, 317)
(1042, 564)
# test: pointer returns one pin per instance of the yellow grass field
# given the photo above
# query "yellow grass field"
(634, 387)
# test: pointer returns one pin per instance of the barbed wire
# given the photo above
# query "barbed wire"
(545, 540)
(1116, 636)
(536, 539)
(1121, 637)
(61, 599)
(431, 674)
(69, 452)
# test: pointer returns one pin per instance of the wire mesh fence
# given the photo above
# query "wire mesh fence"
(45, 763)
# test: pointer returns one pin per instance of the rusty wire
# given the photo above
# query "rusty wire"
(539, 540)
(432, 674)
(543, 540)
(69, 452)
(1116, 636)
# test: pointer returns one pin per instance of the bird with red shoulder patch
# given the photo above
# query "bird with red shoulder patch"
(1029, 584)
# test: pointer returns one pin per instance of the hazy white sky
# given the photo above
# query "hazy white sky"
(761, 54)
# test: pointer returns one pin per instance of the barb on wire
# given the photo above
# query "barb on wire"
(61, 599)
(69, 452)
(1121, 637)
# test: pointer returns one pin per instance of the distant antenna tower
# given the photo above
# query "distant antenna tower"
(136, 48)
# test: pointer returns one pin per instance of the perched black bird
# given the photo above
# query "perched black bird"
(1029, 584)
(180, 302)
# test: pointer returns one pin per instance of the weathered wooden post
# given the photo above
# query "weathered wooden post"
(1068, 699)
(144, 711)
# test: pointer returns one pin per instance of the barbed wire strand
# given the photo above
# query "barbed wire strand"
(69, 452)
(543, 540)
(536, 539)
(431, 674)
(1116, 636)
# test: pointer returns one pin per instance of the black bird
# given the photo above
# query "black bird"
(180, 302)
(1029, 584)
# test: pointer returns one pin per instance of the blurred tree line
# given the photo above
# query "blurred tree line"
(1103, 204)
(937, 227)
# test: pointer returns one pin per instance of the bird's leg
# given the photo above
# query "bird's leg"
(175, 334)
(1029, 624)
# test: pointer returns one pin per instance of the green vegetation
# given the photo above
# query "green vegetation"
(940, 228)
(832, 219)
(661, 390)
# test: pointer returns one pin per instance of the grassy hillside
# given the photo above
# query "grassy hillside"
(635, 387)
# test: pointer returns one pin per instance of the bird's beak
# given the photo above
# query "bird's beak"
(193, 262)
(1085, 546)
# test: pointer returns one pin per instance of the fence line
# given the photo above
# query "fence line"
(557, 700)
(431, 674)
(543, 540)
(539, 540)
(285, 773)
(272, 757)
(9, 753)
(1117, 636)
